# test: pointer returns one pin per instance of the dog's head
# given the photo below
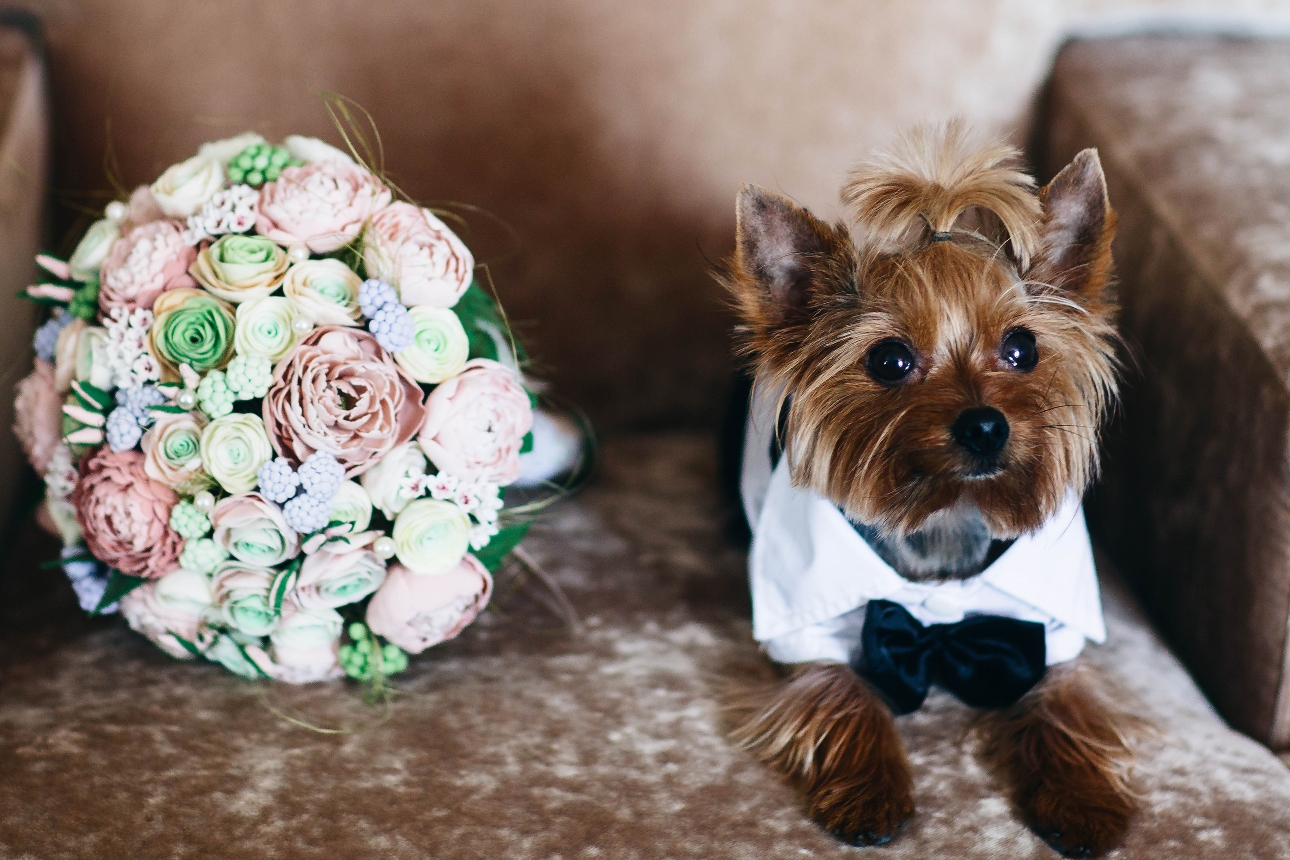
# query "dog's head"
(962, 350)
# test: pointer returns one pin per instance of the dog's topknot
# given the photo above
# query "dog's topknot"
(930, 177)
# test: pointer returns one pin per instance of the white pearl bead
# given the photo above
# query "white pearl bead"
(204, 501)
(298, 253)
(186, 399)
(302, 325)
(384, 547)
(116, 211)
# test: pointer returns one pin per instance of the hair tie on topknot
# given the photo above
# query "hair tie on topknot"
(930, 177)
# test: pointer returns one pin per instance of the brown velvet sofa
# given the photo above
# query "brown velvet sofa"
(530, 735)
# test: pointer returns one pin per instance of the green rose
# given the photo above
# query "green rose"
(191, 327)
(439, 345)
(234, 448)
(241, 268)
(431, 536)
(264, 327)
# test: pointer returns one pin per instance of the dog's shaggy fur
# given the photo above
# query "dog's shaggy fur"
(957, 254)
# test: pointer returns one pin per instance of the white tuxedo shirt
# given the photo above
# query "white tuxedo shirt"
(812, 574)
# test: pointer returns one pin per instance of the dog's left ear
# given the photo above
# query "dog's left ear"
(1076, 232)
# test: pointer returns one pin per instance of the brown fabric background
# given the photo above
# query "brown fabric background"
(1197, 497)
(612, 136)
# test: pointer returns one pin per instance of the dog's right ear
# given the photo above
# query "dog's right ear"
(785, 260)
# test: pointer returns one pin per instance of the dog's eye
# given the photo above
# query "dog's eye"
(1019, 349)
(891, 362)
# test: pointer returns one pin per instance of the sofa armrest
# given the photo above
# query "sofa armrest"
(1196, 500)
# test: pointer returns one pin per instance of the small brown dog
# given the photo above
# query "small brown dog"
(936, 389)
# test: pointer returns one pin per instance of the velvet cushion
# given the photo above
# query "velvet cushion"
(1193, 136)
(524, 739)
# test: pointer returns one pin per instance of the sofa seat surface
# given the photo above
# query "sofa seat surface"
(525, 738)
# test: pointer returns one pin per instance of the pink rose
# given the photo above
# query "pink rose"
(417, 253)
(125, 515)
(146, 261)
(339, 573)
(338, 391)
(254, 530)
(304, 645)
(476, 423)
(38, 415)
(322, 205)
(169, 609)
(415, 611)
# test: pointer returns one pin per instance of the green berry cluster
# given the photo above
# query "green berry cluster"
(248, 377)
(214, 395)
(357, 657)
(259, 163)
(201, 555)
(188, 521)
(85, 301)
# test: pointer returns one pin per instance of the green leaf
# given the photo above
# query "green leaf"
(92, 397)
(188, 646)
(527, 445)
(169, 409)
(283, 583)
(476, 307)
(59, 562)
(501, 545)
(118, 585)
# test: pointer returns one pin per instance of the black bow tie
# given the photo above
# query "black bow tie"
(987, 661)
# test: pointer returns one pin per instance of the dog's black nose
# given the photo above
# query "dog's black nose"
(982, 431)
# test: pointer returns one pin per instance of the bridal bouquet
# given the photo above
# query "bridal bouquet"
(274, 414)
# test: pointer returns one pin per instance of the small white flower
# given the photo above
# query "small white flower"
(126, 355)
(481, 534)
(229, 211)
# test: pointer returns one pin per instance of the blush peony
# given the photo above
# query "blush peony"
(476, 423)
(323, 206)
(148, 260)
(416, 252)
(338, 391)
(38, 415)
(415, 612)
(125, 515)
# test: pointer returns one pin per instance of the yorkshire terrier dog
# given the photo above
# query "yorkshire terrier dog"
(924, 417)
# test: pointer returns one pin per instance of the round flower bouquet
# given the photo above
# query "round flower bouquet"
(274, 414)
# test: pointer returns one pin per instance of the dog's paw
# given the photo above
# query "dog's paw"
(1080, 824)
(865, 810)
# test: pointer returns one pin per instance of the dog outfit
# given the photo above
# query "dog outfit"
(813, 577)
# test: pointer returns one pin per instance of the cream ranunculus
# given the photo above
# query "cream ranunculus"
(264, 327)
(339, 574)
(241, 594)
(416, 252)
(173, 607)
(185, 186)
(234, 448)
(305, 645)
(324, 292)
(386, 482)
(227, 149)
(352, 505)
(311, 149)
(86, 261)
(172, 451)
(254, 530)
(416, 612)
(431, 536)
(240, 268)
(439, 347)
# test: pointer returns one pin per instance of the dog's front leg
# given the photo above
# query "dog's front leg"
(1064, 753)
(830, 733)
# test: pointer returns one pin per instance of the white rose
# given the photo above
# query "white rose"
(81, 354)
(305, 645)
(185, 186)
(324, 292)
(226, 150)
(311, 149)
(385, 482)
(169, 609)
(87, 259)
(241, 593)
(352, 505)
